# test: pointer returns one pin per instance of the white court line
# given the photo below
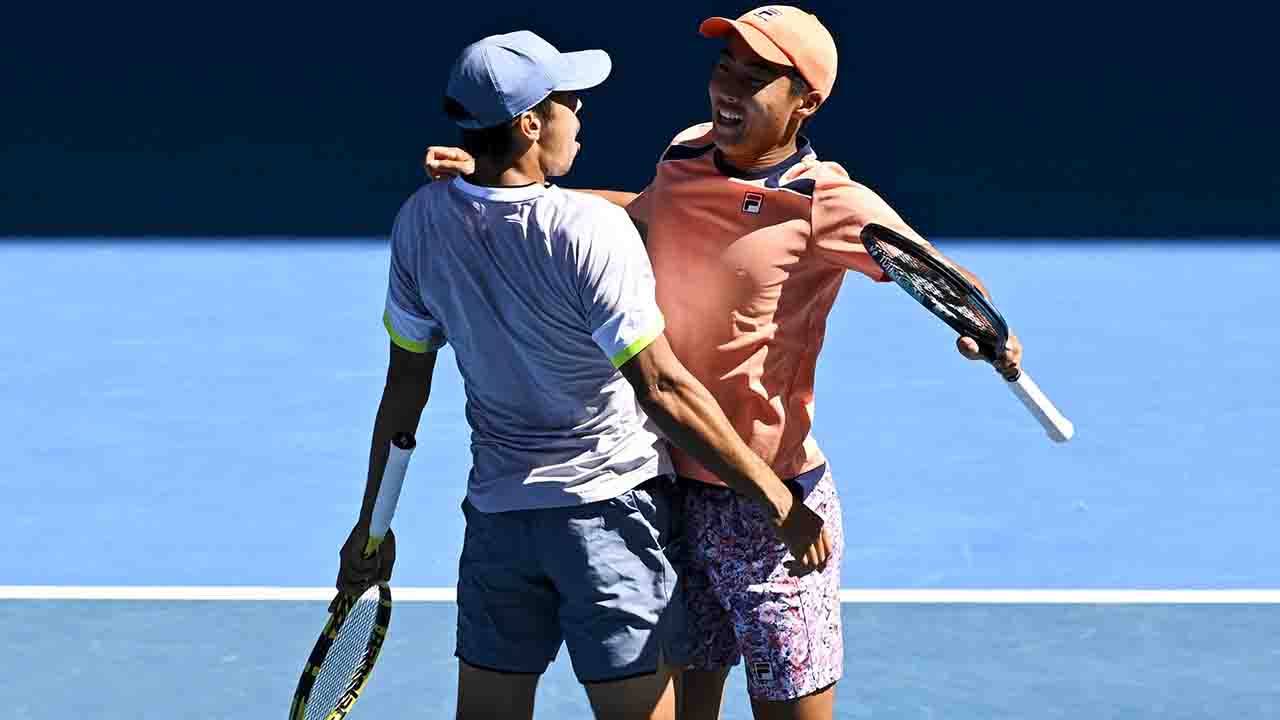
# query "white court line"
(447, 595)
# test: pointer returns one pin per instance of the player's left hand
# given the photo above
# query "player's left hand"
(1008, 362)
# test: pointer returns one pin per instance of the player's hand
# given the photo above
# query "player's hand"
(803, 533)
(815, 557)
(1008, 362)
(357, 572)
(446, 162)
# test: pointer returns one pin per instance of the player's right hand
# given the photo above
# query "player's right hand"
(357, 572)
(1007, 362)
(804, 534)
(442, 162)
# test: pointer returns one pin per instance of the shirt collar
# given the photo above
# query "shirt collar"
(803, 149)
(520, 193)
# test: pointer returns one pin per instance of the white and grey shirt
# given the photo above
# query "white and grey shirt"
(543, 294)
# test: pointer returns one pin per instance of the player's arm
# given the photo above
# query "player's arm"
(841, 208)
(977, 282)
(415, 336)
(692, 420)
(404, 396)
(621, 198)
(1008, 362)
(443, 162)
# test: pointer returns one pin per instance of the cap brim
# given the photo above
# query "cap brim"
(583, 69)
(717, 27)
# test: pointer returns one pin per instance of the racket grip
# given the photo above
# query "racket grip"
(1058, 427)
(384, 506)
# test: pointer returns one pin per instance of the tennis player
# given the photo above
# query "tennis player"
(750, 236)
(548, 300)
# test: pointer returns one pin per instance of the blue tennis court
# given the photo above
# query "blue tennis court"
(197, 413)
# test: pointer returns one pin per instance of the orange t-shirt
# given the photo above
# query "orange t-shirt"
(748, 267)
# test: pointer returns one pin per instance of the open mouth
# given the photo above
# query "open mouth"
(728, 118)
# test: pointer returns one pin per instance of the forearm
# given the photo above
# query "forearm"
(618, 197)
(399, 411)
(977, 282)
(692, 420)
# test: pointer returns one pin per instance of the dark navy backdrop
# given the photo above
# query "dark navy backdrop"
(1038, 119)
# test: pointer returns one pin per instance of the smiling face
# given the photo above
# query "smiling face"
(753, 109)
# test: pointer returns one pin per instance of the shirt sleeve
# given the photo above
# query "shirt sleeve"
(841, 209)
(615, 282)
(408, 322)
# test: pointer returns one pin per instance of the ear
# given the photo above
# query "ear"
(530, 126)
(812, 101)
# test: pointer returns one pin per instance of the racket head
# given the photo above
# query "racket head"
(343, 657)
(937, 286)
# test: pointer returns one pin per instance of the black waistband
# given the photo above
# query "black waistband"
(805, 482)
(801, 485)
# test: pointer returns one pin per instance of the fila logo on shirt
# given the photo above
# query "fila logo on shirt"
(752, 203)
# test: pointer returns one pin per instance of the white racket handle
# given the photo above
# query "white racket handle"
(1058, 427)
(384, 506)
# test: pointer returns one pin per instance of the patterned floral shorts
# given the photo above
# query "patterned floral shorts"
(743, 603)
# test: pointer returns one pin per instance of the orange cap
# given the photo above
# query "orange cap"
(787, 36)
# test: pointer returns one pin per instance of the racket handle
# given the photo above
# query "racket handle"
(384, 506)
(1058, 427)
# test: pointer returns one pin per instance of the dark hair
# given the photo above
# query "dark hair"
(494, 142)
(799, 86)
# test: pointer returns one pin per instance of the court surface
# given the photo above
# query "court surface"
(197, 413)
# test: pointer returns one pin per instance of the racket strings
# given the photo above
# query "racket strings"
(933, 288)
(345, 657)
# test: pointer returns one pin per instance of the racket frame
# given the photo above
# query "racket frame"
(874, 234)
(1055, 424)
(341, 608)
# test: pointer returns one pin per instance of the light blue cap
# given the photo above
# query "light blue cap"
(501, 76)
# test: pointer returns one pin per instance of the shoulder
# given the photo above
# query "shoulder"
(689, 143)
(585, 207)
(428, 193)
(582, 216)
(828, 181)
(417, 204)
(409, 219)
(699, 134)
(818, 171)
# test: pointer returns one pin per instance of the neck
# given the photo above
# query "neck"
(749, 162)
(511, 172)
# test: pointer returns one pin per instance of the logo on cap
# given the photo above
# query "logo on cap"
(768, 13)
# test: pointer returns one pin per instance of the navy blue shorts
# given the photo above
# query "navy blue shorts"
(602, 578)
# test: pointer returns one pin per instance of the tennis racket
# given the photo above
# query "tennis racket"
(341, 661)
(934, 283)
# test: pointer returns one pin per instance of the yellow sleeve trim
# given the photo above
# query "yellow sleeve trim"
(634, 349)
(398, 339)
